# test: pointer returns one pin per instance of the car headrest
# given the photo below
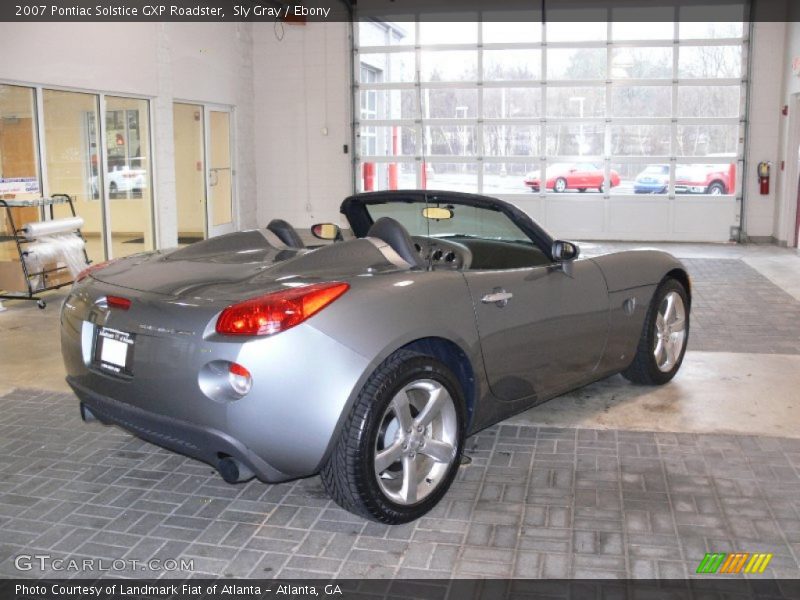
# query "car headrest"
(286, 233)
(394, 234)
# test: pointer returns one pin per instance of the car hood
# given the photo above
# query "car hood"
(238, 266)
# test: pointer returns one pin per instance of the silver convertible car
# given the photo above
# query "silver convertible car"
(367, 361)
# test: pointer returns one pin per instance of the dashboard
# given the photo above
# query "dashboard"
(478, 254)
(442, 254)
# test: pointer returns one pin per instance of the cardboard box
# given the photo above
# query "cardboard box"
(61, 277)
(12, 279)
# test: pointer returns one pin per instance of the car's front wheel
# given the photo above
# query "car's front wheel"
(401, 445)
(664, 336)
(716, 189)
(560, 185)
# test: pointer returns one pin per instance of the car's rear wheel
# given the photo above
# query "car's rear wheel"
(663, 341)
(401, 445)
(560, 185)
(601, 188)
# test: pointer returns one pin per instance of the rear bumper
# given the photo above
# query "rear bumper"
(203, 443)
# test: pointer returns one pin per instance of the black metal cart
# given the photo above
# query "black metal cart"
(39, 281)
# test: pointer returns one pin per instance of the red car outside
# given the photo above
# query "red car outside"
(571, 176)
(705, 179)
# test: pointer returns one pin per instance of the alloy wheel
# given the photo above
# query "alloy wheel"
(670, 334)
(417, 442)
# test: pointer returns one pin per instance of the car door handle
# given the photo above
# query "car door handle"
(499, 296)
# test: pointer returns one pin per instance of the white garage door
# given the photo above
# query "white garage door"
(602, 130)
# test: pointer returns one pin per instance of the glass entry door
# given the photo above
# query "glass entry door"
(219, 175)
(190, 171)
(203, 171)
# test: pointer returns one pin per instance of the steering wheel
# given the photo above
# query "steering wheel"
(441, 253)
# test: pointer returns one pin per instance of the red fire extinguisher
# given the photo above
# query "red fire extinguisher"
(763, 177)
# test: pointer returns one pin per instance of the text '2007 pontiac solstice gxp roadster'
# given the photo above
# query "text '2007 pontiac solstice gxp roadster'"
(367, 361)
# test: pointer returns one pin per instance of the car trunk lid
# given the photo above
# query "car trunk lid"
(238, 266)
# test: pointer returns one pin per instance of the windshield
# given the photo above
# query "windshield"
(467, 221)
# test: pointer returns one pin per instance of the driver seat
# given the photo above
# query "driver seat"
(396, 236)
(286, 233)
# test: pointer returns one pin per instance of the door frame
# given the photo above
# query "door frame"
(211, 230)
(789, 188)
(794, 183)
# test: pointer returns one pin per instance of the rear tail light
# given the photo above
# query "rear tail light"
(239, 379)
(278, 311)
(118, 302)
(92, 268)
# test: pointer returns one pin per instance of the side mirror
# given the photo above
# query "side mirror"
(565, 251)
(326, 231)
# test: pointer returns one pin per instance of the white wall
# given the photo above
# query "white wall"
(202, 62)
(118, 57)
(767, 74)
(785, 218)
(302, 88)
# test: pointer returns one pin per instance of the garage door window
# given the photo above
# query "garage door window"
(484, 106)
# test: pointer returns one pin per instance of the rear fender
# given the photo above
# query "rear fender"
(433, 314)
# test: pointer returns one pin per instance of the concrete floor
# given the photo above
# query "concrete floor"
(753, 393)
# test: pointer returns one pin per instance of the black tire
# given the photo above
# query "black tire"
(716, 189)
(644, 369)
(563, 183)
(601, 189)
(349, 477)
(112, 189)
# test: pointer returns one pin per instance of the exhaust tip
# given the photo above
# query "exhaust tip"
(232, 471)
(86, 414)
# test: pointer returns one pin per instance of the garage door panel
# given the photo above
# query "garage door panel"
(705, 218)
(579, 216)
(650, 216)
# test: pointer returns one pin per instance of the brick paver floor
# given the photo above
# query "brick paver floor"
(736, 309)
(534, 502)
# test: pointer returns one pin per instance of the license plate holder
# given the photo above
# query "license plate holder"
(113, 351)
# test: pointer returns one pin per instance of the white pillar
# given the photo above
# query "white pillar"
(166, 210)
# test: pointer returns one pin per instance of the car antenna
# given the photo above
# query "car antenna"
(424, 176)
